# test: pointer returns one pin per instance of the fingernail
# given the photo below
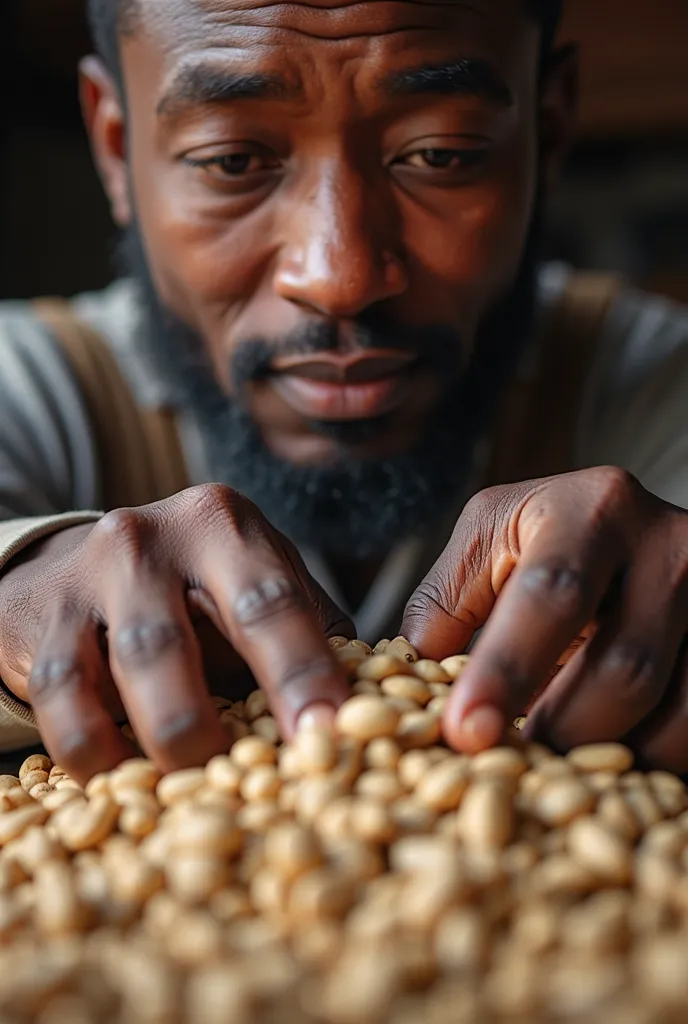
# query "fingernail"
(482, 727)
(317, 716)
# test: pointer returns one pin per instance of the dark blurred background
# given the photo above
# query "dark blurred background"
(623, 204)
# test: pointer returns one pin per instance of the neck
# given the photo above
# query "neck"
(354, 577)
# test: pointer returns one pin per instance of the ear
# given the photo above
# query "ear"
(558, 110)
(103, 113)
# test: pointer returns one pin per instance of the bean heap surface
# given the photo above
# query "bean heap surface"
(366, 877)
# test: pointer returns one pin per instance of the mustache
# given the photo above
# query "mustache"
(437, 348)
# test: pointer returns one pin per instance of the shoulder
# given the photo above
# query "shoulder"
(633, 407)
(640, 333)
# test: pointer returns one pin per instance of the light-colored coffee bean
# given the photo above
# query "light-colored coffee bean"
(418, 729)
(261, 783)
(181, 785)
(193, 877)
(383, 754)
(486, 817)
(379, 784)
(37, 762)
(257, 704)
(292, 850)
(402, 649)
(408, 688)
(37, 777)
(84, 826)
(15, 822)
(380, 666)
(500, 762)
(603, 851)
(267, 728)
(559, 801)
(140, 817)
(137, 773)
(442, 787)
(372, 822)
(602, 757)
(431, 672)
(251, 751)
(367, 718)
(337, 642)
(316, 749)
(455, 665)
(321, 894)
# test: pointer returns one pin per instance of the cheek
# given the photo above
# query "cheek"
(474, 240)
(205, 261)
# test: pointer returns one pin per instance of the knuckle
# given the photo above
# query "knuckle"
(564, 588)
(74, 751)
(211, 502)
(53, 674)
(613, 487)
(174, 732)
(120, 529)
(482, 506)
(273, 598)
(299, 675)
(137, 645)
(635, 673)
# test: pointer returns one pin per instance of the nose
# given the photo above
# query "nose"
(338, 259)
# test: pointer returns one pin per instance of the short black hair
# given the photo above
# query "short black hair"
(109, 19)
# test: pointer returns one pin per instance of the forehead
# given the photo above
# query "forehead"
(291, 38)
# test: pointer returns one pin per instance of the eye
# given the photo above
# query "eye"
(445, 159)
(234, 166)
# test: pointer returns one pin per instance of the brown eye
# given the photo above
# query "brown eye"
(234, 165)
(445, 159)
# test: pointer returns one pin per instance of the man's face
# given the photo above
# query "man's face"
(334, 199)
(340, 165)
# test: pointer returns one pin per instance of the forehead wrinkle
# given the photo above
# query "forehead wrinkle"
(318, 19)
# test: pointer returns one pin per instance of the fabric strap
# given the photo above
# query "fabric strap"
(535, 432)
(140, 454)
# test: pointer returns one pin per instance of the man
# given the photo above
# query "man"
(330, 216)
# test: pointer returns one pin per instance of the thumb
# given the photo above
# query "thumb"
(457, 596)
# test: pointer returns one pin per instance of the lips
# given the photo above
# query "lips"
(344, 388)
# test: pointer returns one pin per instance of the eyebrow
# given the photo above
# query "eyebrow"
(206, 84)
(468, 77)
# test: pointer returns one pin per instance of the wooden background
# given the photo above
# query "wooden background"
(54, 224)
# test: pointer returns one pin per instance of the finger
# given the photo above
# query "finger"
(274, 627)
(552, 594)
(333, 621)
(459, 593)
(622, 674)
(66, 689)
(661, 741)
(157, 666)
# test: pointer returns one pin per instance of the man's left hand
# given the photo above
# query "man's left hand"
(537, 563)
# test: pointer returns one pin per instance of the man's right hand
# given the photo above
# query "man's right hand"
(109, 612)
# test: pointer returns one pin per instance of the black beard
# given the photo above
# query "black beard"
(354, 507)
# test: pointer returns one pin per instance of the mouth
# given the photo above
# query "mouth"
(343, 388)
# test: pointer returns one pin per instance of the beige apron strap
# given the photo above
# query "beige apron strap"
(537, 423)
(140, 455)
(536, 430)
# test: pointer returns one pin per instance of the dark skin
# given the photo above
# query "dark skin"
(320, 189)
